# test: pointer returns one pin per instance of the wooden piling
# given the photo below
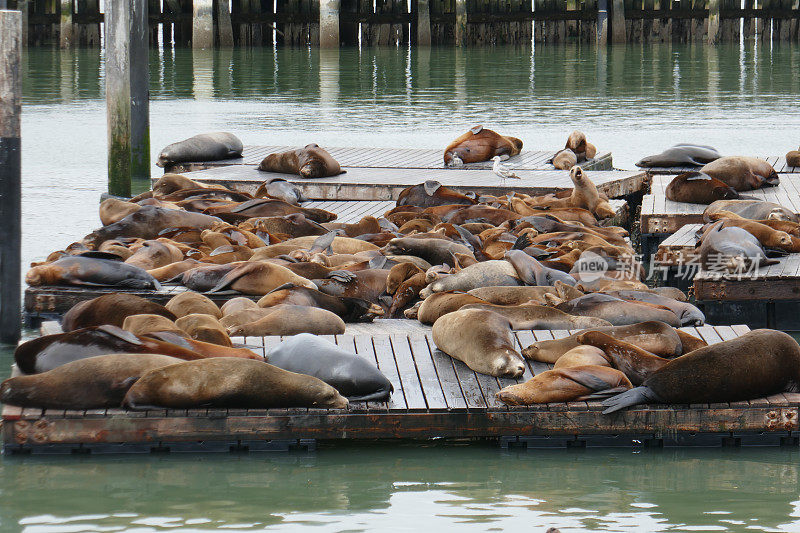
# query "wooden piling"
(66, 28)
(460, 30)
(423, 23)
(202, 24)
(127, 95)
(224, 26)
(618, 21)
(713, 21)
(22, 7)
(602, 22)
(329, 24)
(10, 175)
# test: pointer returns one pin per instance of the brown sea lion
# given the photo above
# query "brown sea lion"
(205, 328)
(291, 320)
(173, 269)
(752, 209)
(244, 316)
(434, 251)
(741, 172)
(581, 356)
(441, 303)
(366, 285)
(407, 293)
(367, 225)
(293, 224)
(237, 304)
(91, 272)
(110, 309)
(699, 188)
(205, 278)
(259, 278)
(348, 308)
(432, 193)
(113, 210)
(635, 363)
(481, 339)
(148, 222)
(576, 142)
(617, 311)
(92, 383)
(532, 316)
(689, 342)
(235, 213)
(480, 144)
(154, 254)
(564, 160)
(187, 303)
(792, 228)
(566, 385)
(655, 337)
(230, 383)
(793, 158)
(142, 324)
(757, 364)
(493, 273)
(311, 161)
(399, 273)
(510, 295)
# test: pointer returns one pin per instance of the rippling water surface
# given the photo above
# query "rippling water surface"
(630, 100)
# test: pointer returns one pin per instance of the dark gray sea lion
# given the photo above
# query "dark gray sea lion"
(492, 273)
(432, 193)
(688, 314)
(752, 209)
(111, 309)
(90, 272)
(295, 225)
(91, 383)
(205, 278)
(742, 173)
(352, 375)
(366, 285)
(228, 383)
(617, 311)
(532, 272)
(434, 251)
(699, 188)
(757, 364)
(148, 222)
(203, 147)
(310, 161)
(731, 249)
(266, 207)
(281, 189)
(681, 155)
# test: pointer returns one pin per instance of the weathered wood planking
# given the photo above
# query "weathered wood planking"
(660, 215)
(678, 248)
(387, 183)
(434, 396)
(403, 158)
(768, 283)
(777, 162)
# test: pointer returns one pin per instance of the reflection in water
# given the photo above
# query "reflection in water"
(369, 487)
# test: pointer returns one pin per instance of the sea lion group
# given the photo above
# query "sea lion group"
(577, 150)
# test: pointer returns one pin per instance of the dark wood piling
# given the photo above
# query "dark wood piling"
(10, 175)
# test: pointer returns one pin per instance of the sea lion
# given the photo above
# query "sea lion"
(92, 383)
(113, 210)
(750, 209)
(406, 293)
(205, 278)
(143, 324)
(311, 161)
(352, 375)
(366, 285)
(731, 250)
(90, 272)
(492, 273)
(741, 172)
(148, 222)
(635, 363)
(566, 385)
(766, 235)
(398, 274)
(230, 383)
(532, 316)
(482, 339)
(205, 328)
(367, 227)
(236, 213)
(259, 278)
(244, 316)
(656, 337)
(337, 245)
(173, 269)
(290, 320)
(187, 303)
(532, 272)
(237, 304)
(348, 309)
(681, 155)
(281, 189)
(432, 193)
(564, 160)
(618, 311)
(581, 356)
(757, 364)
(441, 303)
(576, 142)
(689, 343)
(110, 309)
(154, 254)
(699, 188)
(434, 251)
(511, 295)
(688, 314)
(203, 147)
(293, 224)
(480, 144)
(793, 158)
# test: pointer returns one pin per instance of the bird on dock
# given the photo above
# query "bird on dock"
(502, 169)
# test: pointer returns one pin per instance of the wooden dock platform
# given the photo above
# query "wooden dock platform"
(435, 397)
(399, 158)
(777, 162)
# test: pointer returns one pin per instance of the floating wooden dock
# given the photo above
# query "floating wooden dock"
(435, 396)
(777, 162)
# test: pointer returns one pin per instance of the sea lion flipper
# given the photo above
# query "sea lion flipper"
(120, 333)
(282, 287)
(345, 276)
(602, 394)
(522, 242)
(628, 398)
(431, 186)
(477, 129)
(324, 242)
(378, 262)
(382, 395)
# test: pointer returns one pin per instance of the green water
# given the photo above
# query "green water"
(629, 100)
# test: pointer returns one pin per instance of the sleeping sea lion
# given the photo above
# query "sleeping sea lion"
(111, 309)
(635, 363)
(173, 269)
(90, 272)
(482, 339)
(352, 375)
(187, 303)
(688, 314)
(92, 383)
(113, 210)
(281, 189)
(532, 272)
(154, 254)
(205, 278)
(699, 188)
(434, 251)
(432, 193)
(230, 383)
(564, 160)
(203, 147)
(237, 212)
(441, 303)
(532, 316)
(148, 222)
(742, 173)
(492, 273)
(511, 295)
(757, 364)
(793, 158)
(258, 278)
(681, 155)
(290, 320)
(293, 224)
(566, 385)
(582, 355)
(480, 144)
(348, 309)
(751, 209)
(366, 285)
(205, 328)
(766, 235)
(731, 250)
(311, 161)
(143, 324)
(617, 311)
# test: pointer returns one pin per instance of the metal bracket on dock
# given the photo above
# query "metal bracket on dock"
(23, 447)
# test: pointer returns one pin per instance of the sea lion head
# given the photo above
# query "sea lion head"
(508, 364)
(646, 162)
(576, 175)
(313, 168)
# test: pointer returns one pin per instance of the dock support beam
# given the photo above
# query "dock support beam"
(224, 24)
(202, 24)
(713, 21)
(66, 34)
(127, 94)
(10, 175)
(602, 23)
(329, 23)
(423, 23)
(618, 22)
(460, 30)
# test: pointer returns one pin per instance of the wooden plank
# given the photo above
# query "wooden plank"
(434, 395)
(412, 388)
(451, 387)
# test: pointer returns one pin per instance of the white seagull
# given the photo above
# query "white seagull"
(502, 170)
